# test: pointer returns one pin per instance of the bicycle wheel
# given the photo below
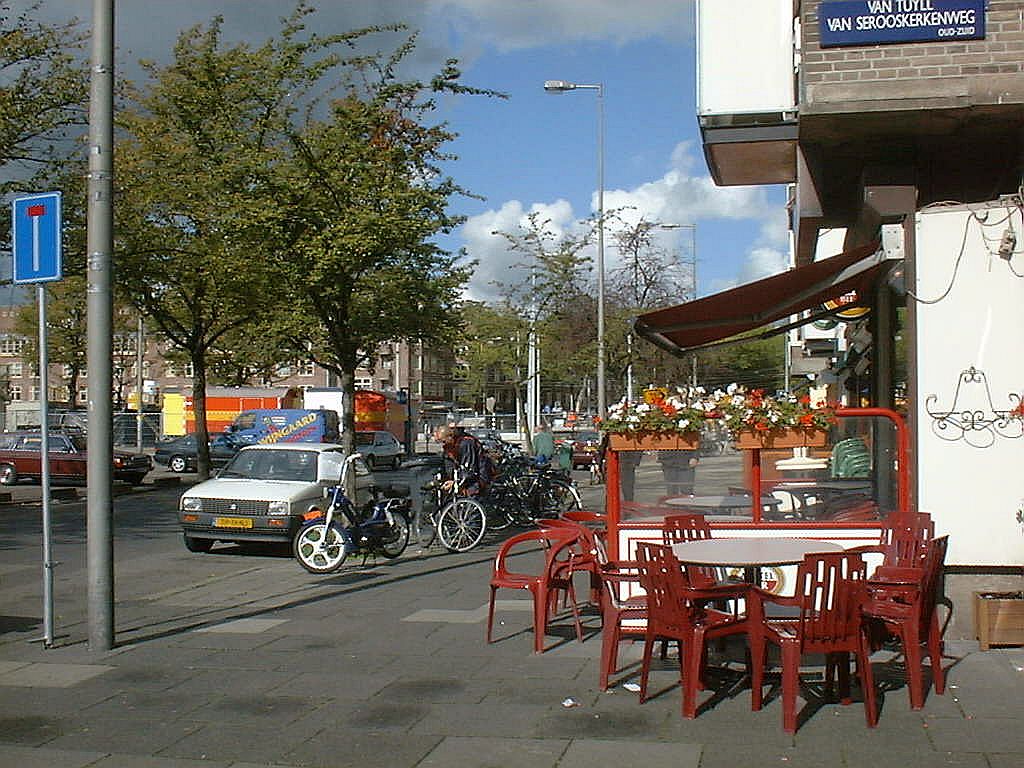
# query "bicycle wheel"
(425, 524)
(461, 525)
(497, 500)
(560, 497)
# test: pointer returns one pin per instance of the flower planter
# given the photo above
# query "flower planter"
(787, 437)
(999, 618)
(655, 441)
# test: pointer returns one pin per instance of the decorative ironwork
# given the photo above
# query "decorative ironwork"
(977, 422)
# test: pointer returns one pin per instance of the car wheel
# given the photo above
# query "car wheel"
(8, 475)
(193, 544)
(177, 464)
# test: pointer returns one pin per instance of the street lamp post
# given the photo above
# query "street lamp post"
(562, 86)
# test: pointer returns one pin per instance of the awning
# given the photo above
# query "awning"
(703, 322)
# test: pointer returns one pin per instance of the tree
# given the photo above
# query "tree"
(651, 276)
(43, 92)
(361, 199)
(193, 163)
(493, 346)
(554, 294)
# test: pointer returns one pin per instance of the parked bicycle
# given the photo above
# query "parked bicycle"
(450, 515)
(328, 536)
(525, 492)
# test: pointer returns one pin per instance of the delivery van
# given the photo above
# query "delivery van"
(283, 425)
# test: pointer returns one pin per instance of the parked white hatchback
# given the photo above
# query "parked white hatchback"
(263, 492)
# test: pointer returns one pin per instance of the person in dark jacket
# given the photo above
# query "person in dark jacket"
(464, 453)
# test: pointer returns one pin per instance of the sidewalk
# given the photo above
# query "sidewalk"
(257, 664)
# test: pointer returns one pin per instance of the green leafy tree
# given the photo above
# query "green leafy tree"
(197, 149)
(362, 200)
(43, 93)
(493, 355)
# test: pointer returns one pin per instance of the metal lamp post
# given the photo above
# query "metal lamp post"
(562, 86)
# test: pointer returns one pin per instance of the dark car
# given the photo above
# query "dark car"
(180, 454)
(585, 445)
(20, 454)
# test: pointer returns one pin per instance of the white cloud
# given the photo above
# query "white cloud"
(517, 24)
(496, 262)
(679, 197)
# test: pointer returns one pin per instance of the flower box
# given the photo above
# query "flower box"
(999, 618)
(786, 437)
(655, 441)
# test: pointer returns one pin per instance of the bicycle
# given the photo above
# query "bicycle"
(459, 521)
(525, 493)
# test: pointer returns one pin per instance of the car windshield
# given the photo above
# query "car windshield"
(273, 465)
(364, 438)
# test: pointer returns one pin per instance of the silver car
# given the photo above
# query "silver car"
(382, 450)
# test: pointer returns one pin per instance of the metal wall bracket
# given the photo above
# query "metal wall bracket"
(976, 421)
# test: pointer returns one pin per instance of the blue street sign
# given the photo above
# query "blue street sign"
(36, 229)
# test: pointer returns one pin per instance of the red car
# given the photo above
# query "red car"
(585, 444)
(20, 459)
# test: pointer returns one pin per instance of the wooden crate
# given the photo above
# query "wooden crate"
(999, 618)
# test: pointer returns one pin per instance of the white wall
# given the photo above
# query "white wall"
(745, 57)
(973, 491)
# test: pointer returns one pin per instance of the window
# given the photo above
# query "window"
(307, 369)
(13, 370)
(11, 345)
(33, 393)
(83, 395)
(15, 392)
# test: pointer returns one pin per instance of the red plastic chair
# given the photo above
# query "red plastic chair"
(678, 611)
(587, 556)
(545, 585)
(623, 613)
(828, 596)
(680, 528)
(904, 600)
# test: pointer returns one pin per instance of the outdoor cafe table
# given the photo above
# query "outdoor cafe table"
(727, 503)
(750, 553)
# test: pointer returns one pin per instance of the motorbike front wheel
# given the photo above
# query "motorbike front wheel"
(397, 538)
(319, 549)
(461, 524)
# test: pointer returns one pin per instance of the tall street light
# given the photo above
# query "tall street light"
(561, 86)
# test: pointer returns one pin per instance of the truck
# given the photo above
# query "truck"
(223, 404)
(374, 411)
(266, 426)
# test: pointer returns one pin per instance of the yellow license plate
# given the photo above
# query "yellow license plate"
(232, 522)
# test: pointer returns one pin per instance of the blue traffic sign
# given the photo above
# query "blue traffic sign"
(36, 234)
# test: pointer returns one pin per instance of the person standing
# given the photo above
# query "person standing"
(543, 444)
(679, 469)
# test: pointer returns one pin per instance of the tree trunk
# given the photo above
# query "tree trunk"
(347, 424)
(199, 409)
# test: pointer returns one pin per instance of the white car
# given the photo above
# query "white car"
(382, 450)
(263, 492)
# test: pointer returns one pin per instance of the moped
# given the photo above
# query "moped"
(328, 536)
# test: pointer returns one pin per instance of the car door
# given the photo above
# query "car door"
(67, 462)
(26, 456)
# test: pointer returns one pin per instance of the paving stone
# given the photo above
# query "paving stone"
(484, 752)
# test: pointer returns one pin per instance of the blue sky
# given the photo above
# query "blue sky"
(537, 151)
